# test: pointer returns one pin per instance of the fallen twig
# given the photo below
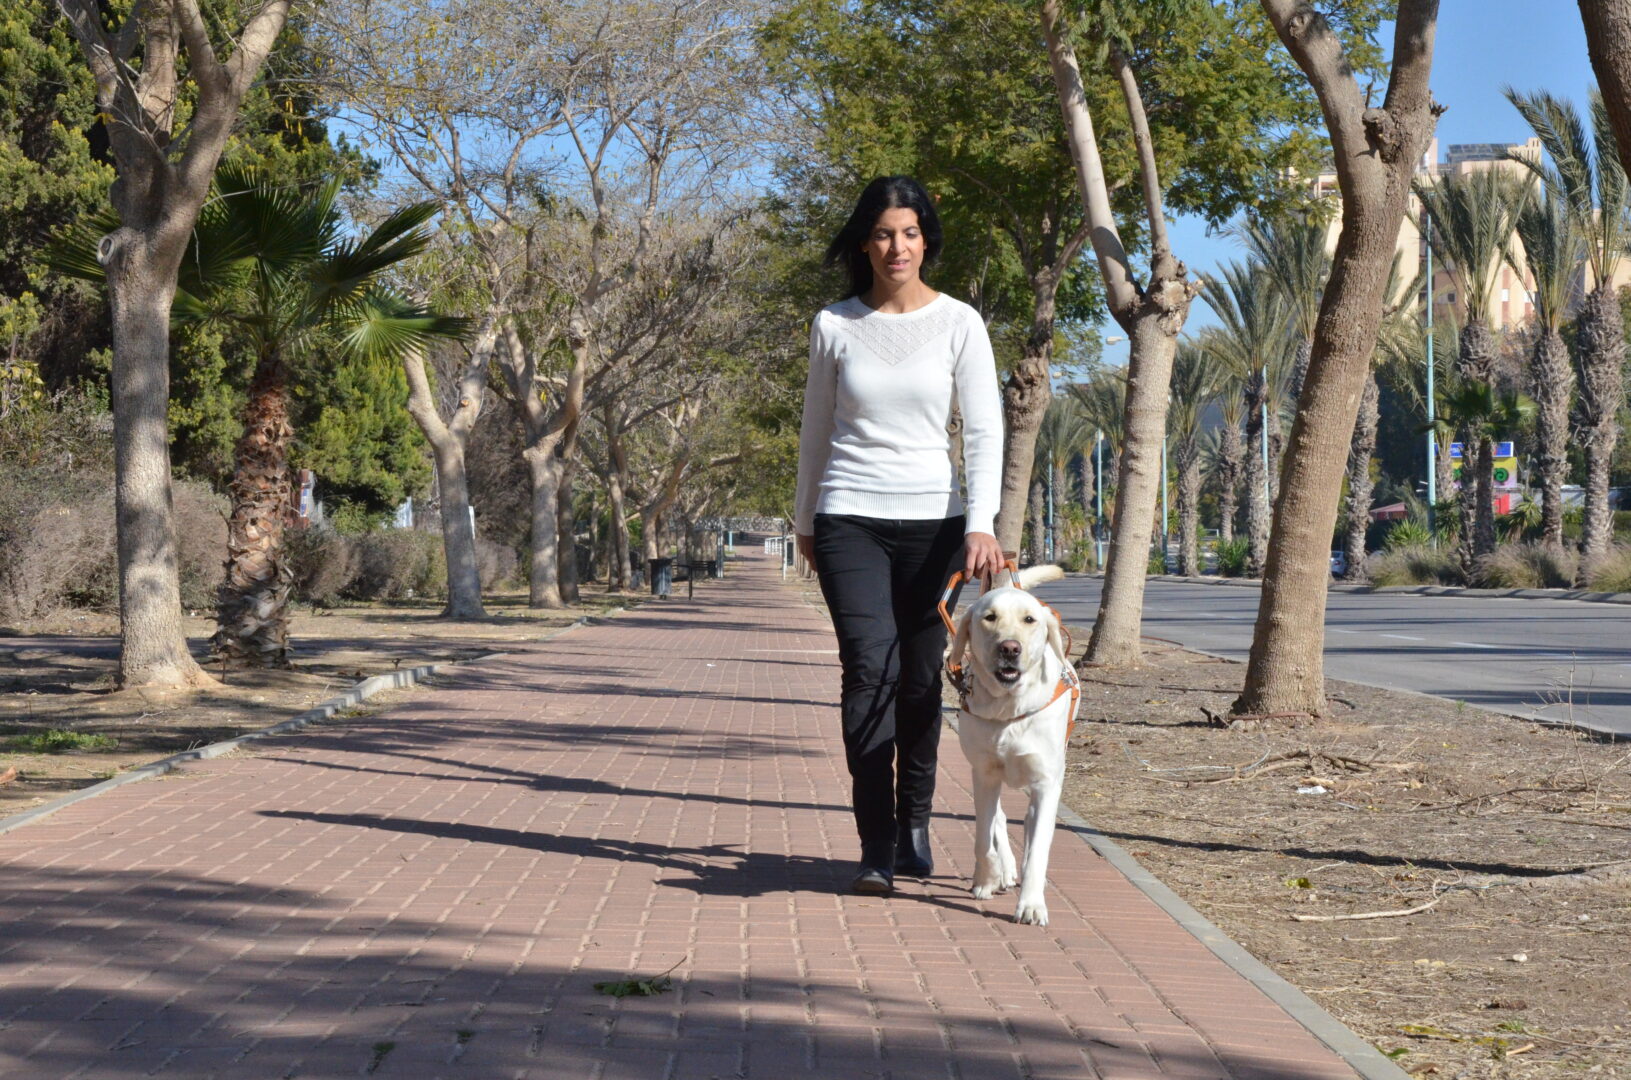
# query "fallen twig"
(1418, 909)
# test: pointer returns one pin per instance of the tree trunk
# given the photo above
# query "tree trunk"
(1602, 396)
(1299, 367)
(458, 532)
(1376, 151)
(1551, 383)
(1256, 478)
(1187, 457)
(252, 609)
(547, 470)
(566, 521)
(617, 577)
(447, 442)
(1038, 523)
(1138, 487)
(1025, 398)
(152, 644)
(1360, 486)
(1230, 452)
(1476, 364)
(1608, 42)
(1060, 488)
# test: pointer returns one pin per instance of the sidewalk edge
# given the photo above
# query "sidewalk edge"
(1366, 1060)
(1585, 596)
(358, 693)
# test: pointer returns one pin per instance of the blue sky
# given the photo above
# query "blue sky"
(1482, 46)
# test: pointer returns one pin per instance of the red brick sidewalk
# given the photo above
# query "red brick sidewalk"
(434, 892)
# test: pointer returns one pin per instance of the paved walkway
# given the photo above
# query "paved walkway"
(435, 891)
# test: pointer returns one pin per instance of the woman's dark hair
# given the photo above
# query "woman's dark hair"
(884, 193)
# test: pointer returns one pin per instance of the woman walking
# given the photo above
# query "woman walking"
(878, 513)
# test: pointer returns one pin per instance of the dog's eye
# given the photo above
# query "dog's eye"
(991, 616)
(1030, 618)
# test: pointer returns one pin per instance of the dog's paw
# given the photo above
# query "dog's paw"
(985, 887)
(1031, 913)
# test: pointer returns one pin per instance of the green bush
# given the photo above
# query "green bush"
(1157, 563)
(59, 741)
(1528, 566)
(1610, 571)
(1414, 566)
(1407, 534)
(1233, 555)
(399, 564)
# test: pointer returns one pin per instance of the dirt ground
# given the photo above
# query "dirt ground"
(1511, 840)
(57, 675)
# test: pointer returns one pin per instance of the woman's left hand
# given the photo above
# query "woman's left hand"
(982, 556)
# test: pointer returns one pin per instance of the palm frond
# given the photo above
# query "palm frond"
(1473, 216)
(396, 239)
(381, 324)
(1292, 253)
(74, 252)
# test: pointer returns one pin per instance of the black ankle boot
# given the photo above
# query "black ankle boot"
(912, 855)
(876, 876)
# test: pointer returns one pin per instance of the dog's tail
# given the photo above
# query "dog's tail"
(1032, 576)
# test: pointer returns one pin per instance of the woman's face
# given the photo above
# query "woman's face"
(895, 247)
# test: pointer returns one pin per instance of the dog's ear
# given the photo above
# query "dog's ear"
(1056, 637)
(959, 641)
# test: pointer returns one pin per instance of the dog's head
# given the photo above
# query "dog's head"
(1006, 634)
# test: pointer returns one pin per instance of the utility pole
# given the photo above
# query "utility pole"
(1098, 494)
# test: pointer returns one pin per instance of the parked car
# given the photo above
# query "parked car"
(1339, 563)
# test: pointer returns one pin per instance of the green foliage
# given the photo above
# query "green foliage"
(1233, 556)
(59, 741)
(354, 431)
(50, 173)
(1407, 534)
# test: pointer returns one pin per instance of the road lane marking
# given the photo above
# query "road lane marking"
(1473, 645)
(1402, 637)
(1334, 630)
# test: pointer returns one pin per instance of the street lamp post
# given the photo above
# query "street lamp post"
(1432, 440)
(1098, 494)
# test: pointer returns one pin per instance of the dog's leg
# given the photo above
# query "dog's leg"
(1008, 873)
(1039, 820)
(989, 831)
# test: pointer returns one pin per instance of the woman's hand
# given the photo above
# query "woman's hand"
(806, 546)
(982, 556)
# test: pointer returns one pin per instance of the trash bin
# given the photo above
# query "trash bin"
(662, 576)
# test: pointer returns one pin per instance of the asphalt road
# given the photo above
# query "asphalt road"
(1557, 660)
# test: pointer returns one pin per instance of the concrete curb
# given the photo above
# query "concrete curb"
(358, 693)
(1584, 595)
(1366, 1060)
(1369, 1062)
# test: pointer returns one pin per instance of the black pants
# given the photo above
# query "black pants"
(882, 579)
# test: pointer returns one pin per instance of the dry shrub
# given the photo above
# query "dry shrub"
(325, 563)
(399, 564)
(1414, 566)
(496, 564)
(1528, 566)
(1610, 571)
(56, 534)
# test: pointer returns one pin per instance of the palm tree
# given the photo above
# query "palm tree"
(1252, 343)
(1474, 215)
(1481, 414)
(1103, 404)
(1197, 380)
(1065, 432)
(1293, 255)
(1586, 174)
(274, 262)
(1554, 247)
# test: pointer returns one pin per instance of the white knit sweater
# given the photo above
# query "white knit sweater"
(874, 442)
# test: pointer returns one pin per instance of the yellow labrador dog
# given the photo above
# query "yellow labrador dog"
(1018, 699)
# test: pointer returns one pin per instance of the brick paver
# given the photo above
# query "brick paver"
(435, 890)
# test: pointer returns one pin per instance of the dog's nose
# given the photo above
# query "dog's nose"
(1008, 650)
